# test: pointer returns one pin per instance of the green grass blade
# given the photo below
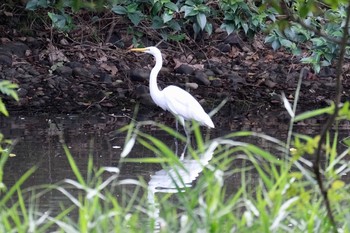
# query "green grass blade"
(314, 113)
(17, 185)
(74, 166)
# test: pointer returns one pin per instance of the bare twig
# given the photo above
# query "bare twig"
(110, 30)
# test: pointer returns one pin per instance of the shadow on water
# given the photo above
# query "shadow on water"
(37, 143)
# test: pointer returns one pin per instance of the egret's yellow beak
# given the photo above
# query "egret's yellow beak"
(138, 50)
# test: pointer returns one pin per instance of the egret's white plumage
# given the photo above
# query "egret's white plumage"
(172, 98)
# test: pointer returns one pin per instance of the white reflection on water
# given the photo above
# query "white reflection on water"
(174, 179)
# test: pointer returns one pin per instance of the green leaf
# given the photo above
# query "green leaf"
(337, 184)
(177, 37)
(346, 141)
(34, 4)
(304, 10)
(275, 45)
(8, 88)
(229, 28)
(270, 39)
(189, 11)
(286, 43)
(157, 22)
(209, 28)
(167, 17)
(201, 20)
(245, 27)
(172, 6)
(174, 25)
(196, 29)
(62, 21)
(120, 10)
(344, 111)
(3, 109)
(132, 8)
(135, 18)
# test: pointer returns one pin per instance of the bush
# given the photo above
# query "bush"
(320, 21)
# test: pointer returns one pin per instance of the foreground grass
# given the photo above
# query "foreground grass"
(226, 185)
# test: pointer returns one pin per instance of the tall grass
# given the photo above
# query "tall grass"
(223, 185)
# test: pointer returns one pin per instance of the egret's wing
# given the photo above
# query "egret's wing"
(182, 103)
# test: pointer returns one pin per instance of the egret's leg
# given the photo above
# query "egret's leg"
(175, 138)
(188, 140)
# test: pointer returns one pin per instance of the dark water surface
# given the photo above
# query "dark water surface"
(38, 144)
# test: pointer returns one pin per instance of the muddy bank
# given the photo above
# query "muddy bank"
(71, 77)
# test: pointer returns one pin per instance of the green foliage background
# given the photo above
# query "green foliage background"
(171, 19)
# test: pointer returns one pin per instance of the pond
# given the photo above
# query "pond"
(37, 143)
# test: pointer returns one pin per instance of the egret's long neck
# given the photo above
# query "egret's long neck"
(156, 94)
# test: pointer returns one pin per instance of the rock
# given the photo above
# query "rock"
(32, 71)
(225, 48)
(22, 92)
(275, 99)
(116, 39)
(202, 78)
(121, 92)
(142, 94)
(20, 70)
(17, 48)
(74, 64)
(192, 85)
(105, 78)
(216, 83)
(64, 71)
(234, 39)
(35, 103)
(326, 72)
(34, 80)
(94, 70)
(81, 72)
(269, 83)
(10, 72)
(292, 79)
(40, 92)
(184, 69)
(200, 55)
(217, 70)
(235, 80)
(209, 73)
(137, 75)
(122, 66)
(5, 59)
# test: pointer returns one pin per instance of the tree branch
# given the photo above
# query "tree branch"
(339, 70)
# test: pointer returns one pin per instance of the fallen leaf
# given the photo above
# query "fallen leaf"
(55, 55)
(111, 68)
(9, 14)
(178, 63)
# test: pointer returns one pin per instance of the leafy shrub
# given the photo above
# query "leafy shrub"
(169, 19)
(167, 16)
(7, 88)
(241, 14)
(321, 26)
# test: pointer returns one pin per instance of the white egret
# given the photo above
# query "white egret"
(174, 99)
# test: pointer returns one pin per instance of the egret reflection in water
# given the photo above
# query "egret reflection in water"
(174, 179)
